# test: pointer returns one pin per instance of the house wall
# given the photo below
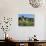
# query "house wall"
(11, 8)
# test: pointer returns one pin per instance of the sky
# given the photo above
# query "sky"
(26, 15)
